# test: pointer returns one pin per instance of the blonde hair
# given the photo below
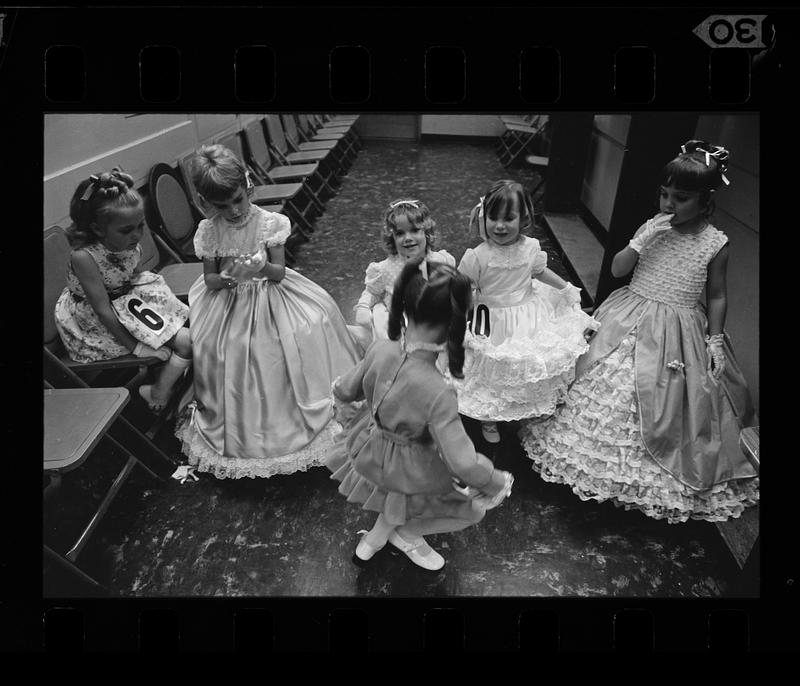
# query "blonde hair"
(217, 173)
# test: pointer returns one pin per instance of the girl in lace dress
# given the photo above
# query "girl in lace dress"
(400, 455)
(408, 234)
(652, 421)
(267, 341)
(526, 329)
(107, 224)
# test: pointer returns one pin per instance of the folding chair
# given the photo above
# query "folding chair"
(517, 138)
(261, 164)
(341, 118)
(297, 200)
(281, 149)
(343, 139)
(75, 420)
(169, 212)
(525, 120)
(321, 126)
(337, 147)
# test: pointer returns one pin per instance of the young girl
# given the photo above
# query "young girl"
(267, 341)
(400, 455)
(653, 419)
(527, 327)
(408, 234)
(107, 224)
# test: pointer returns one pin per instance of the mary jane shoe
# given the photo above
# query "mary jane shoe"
(432, 561)
(364, 551)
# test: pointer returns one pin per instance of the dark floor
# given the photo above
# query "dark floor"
(294, 535)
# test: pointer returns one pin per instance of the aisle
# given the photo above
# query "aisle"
(294, 535)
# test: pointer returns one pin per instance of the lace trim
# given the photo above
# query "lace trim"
(206, 459)
(524, 252)
(219, 238)
(502, 405)
(594, 446)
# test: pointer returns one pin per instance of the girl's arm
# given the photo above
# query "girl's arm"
(85, 268)
(624, 261)
(363, 308)
(213, 279)
(348, 386)
(549, 277)
(457, 449)
(275, 268)
(716, 292)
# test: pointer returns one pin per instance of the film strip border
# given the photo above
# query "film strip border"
(304, 626)
(392, 58)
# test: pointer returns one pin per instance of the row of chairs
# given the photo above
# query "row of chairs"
(296, 162)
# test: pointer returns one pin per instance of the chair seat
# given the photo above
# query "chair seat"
(75, 419)
(280, 191)
(537, 160)
(350, 118)
(523, 128)
(330, 134)
(318, 145)
(181, 277)
(125, 361)
(292, 171)
(307, 156)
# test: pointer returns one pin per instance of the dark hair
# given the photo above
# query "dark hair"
(94, 200)
(217, 173)
(441, 300)
(699, 168)
(499, 198)
(418, 216)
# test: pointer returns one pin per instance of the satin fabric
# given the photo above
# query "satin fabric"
(265, 355)
(689, 422)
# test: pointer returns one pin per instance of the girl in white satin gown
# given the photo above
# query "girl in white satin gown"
(268, 342)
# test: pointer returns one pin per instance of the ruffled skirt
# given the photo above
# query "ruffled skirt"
(593, 444)
(524, 364)
(265, 355)
(361, 435)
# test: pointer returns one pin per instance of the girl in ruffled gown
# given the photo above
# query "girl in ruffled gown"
(408, 234)
(653, 419)
(401, 453)
(527, 328)
(267, 341)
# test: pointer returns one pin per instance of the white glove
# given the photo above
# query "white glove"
(483, 500)
(650, 230)
(141, 350)
(570, 294)
(363, 315)
(716, 355)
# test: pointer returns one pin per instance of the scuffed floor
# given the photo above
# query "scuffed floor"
(294, 535)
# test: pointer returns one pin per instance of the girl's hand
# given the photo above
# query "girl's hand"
(223, 281)
(716, 356)
(570, 295)
(651, 229)
(141, 350)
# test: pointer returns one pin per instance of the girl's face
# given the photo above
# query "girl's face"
(122, 229)
(410, 241)
(685, 205)
(234, 208)
(504, 229)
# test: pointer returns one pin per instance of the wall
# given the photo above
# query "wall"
(606, 151)
(737, 214)
(389, 126)
(462, 125)
(77, 145)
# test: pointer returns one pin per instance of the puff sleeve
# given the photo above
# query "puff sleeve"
(469, 265)
(375, 279)
(538, 260)
(203, 240)
(275, 228)
(457, 450)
